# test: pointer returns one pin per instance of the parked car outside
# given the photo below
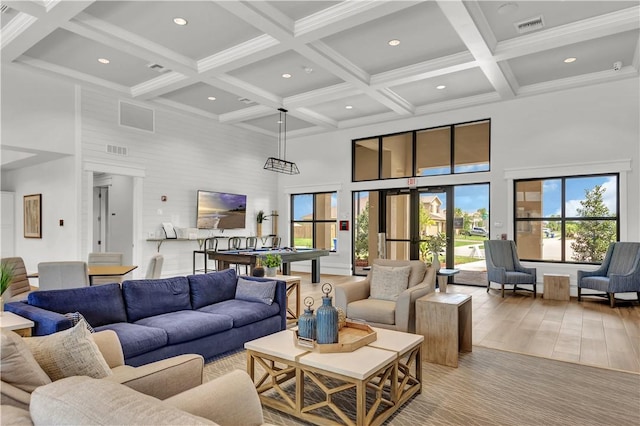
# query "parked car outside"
(476, 230)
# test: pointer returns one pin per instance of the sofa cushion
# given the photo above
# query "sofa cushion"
(18, 366)
(100, 305)
(86, 401)
(183, 326)
(372, 310)
(256, 291)
(213, 287)
(243, 312)
(137, 339)
(14, 416)
(387, 282)
(146, 298)
(70, 352)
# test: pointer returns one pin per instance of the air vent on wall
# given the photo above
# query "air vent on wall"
(117, 150)
(159, 68)
(529, 25)
(136, 116)
(4, 8)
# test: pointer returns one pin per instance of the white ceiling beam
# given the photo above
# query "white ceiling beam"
(32, 31)
(462, 22)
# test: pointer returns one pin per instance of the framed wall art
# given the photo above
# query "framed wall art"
(33, 216)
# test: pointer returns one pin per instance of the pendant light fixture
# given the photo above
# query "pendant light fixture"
(281, 165)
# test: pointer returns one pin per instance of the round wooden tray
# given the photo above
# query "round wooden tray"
(352, 336)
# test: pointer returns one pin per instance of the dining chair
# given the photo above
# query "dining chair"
(155, 266)
(106, 258)
(19, 288)
(60, 275)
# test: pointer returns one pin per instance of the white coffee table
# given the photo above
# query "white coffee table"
(11, 321)
(390, 366)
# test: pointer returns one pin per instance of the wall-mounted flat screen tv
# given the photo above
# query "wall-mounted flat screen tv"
(221, 210)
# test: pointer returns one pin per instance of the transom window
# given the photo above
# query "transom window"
(451, 149)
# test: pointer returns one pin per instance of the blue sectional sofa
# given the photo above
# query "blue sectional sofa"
(161, 318)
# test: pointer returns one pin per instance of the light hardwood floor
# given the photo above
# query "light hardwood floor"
(587, 332)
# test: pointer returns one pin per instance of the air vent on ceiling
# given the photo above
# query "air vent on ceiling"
(246, 101)
(117, 150)
(159, 68)
(4, 8)
(529, 25)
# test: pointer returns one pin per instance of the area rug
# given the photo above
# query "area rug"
(493, 387)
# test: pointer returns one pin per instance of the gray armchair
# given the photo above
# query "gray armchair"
(353, 298)
(619, 273)
(504, 268)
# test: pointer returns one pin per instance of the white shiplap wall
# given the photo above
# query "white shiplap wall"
(182, 155)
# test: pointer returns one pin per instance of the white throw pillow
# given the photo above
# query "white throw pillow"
(387, 282)
(18, 366)
(68, 353)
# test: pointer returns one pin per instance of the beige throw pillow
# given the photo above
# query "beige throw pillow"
(387, 282)
(68, 353)
(18, 366)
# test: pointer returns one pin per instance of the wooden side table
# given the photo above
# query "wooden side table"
(293, 285)
(444, 319)
(11, 321)
(556, 287)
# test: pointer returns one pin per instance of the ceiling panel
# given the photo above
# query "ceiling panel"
(362, 106)
(423, 31)
(502, 15)
(461, 84)
(210, 28)
(77, 53)
(270, 123)
(267, 74)
(196, 96)
(299, 9)
(591, 57)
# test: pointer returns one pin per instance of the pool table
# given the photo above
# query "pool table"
(249, 257)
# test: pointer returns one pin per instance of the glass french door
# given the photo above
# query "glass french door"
(410, 216)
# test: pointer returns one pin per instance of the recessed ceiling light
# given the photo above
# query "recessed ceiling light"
(286, 75)
(103, 60)
(180, 21)
(348, 106)
(440, 87)
(393, 42)
(569, 60)
(211, 98)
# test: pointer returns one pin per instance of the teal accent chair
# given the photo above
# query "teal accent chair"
(618, 273)
(504, 268)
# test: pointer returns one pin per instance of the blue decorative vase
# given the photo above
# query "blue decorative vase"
(307, 321)
(327, 319)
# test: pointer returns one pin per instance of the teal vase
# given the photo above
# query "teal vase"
(327, 320)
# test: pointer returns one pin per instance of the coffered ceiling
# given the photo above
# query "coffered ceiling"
(342, 70)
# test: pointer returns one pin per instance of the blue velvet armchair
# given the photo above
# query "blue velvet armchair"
(619, 273)
(503, 266)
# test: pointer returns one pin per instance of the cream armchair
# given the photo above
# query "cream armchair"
(354, 298)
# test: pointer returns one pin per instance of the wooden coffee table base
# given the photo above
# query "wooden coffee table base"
(378, 392)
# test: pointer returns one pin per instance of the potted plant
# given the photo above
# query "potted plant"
(434, 244)
(271, 263)
(260, 217)
(6, 276)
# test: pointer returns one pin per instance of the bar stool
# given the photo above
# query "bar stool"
(210, 245)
